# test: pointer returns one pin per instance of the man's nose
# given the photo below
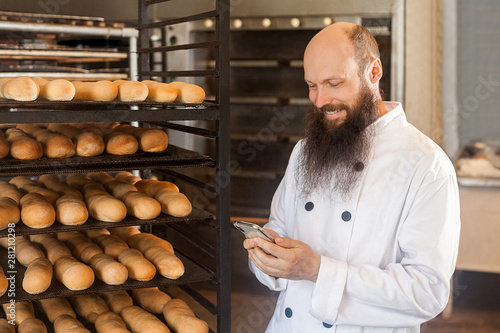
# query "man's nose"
(322, 98)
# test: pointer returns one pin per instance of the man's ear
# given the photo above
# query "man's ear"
(375, 70)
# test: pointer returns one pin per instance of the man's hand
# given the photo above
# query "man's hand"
(288, 258)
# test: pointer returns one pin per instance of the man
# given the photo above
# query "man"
(366, 218)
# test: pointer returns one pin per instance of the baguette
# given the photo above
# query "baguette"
(22, 89)
(27, 251)
(55, 307)
(110, 322)
(89, 252)
(124, 233)
(151, 140)
(111, 245)
(56, 184)
(127, 177)
(151, 299)
(32, 325)
(160, 92)
(38, 276)
(117, 300)
(166, 263)
(103, 206)
(119, 143)
(108, 270)
(188, 93)
(139, 320)
(174, 203)
(36, 211)
(100, 91)
(4, 145)
(119, 188)
(71, 210)
(139, 268)
(19, 311)
(73, 274)
(9, 212)
(131, 91)
(53, 248)
(68, 324)
(79, 244)
(89, 306)
(144, 241)
(23, 146)
(55, 90)
(4, 283)
(141, 206)
(151, 187)
(181, 318)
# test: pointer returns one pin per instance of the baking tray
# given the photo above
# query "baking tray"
(468, 151)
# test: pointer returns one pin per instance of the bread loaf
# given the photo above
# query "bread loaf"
(55, 145)
(160, 92)
(174, 203)
(100, 91)
(119, 188)
(4, 145)
(71, 210)
(139, 268)
(5, 327)
(68, 324)
(117, 300)
(32, 325)
(9, 212)
(119, 143)
(77, 181)
(10, 191)
(38, 276)
(67, 235)
(30, 186)
(36, 211)
(108, 270)
(87, 143)
(73, 274)
(151, 299)
(101, 177)
(37, 238)
(55, 90)
(22, 89)
(139, 320)
(23, 146)
(151, 187)
(89, 306)
(53, 248)
(93, 233)
(124, 233)
(141, 206)
(188, 93)
(144, 241)
(181, 318)
(151, 140)
(131, 91)
(55, 307)
(89, 252)
(110, 322)
(78, 244)
(4, 283)
(27, 251)
(102, 206)
(56, 184)
(19, 311)
(111, 245)
(127, 177)
(166, 263)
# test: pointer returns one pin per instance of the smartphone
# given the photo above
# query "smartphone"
(252, 230)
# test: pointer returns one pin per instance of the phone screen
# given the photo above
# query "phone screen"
(252, 230)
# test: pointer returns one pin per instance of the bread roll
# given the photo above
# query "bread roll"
(110, 322)
(101, 177)
(93, 233)
(102, 206)
(55, 145)
(56, 184)
(151, 140)
(151, 187)
(19, 311)
(9, 212)
(108, 270)
(174, 203)
(55, 90)
(29, 187)
(55, 307)
(5, 327)
(141, 206)
(124, 233)
(27, 251)
(127, 177)
(68, 324)
(151, 299)
(4, 145)
(100, 91)
(73, 274)
(139, 268)
(87, 143)
(19, 89)
(111, 245)
(89, 252)
(119, 143)
(71, 210)
(4, 283)
(144, 241)
(77, 181)
(23, 146)
(160, 92)
(78, 244)
(131, 91)
(188, 93)
(119, 188)
(139, 320)
(182, 319)
(89, 306)
(117, 300)
(67, 235)
(53, 248)
(10, 191)
(39, 238)
(36, 211)
(38, 276)
(166, 263)
(32, 325)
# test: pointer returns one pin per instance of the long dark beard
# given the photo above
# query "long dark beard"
(332, 152)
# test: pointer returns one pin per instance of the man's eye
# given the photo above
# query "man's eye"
(333, 85)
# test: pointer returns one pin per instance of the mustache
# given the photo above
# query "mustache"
(333, 108)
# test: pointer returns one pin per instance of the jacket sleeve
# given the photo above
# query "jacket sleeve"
(404, 293)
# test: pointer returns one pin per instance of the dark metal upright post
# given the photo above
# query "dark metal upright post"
(144, 61)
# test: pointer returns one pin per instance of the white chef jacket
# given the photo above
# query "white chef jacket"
(387, 254)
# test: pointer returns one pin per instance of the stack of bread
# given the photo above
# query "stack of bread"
(26, 89)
